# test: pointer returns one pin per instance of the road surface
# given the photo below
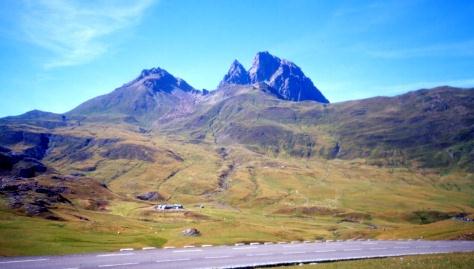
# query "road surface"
(238, 256)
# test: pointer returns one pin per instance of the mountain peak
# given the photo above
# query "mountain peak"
(264, 65)
(158, 79)
(286, 78)
(236, 75)
(152, 94)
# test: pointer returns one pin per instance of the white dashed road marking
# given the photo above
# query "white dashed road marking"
(324, 251)
(174, 260)
(259, 254)
(18, 261)
(118, 264)
(217, 257)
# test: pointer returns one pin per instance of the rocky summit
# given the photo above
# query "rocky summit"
(236, 75)
(285, 77)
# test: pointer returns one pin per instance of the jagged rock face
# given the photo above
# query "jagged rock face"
(293, 85)
(263, 67)
(285, 77)
(236, 75)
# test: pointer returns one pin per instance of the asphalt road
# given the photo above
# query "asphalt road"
(238, 256)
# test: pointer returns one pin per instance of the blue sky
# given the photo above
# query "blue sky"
(56, 54)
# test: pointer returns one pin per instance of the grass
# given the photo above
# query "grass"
(438, 261)
(260, 186)
(21, 235)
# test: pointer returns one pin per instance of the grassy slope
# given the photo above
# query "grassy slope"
(20, 235)
(269, 197)
(263, 202)
(438, 261)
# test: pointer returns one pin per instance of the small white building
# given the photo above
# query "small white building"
(169, 207)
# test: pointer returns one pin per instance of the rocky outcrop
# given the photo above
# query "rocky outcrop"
(263, 67)
(20, 165)
(191, 232)
(35, 144)
(31, 197)
(236, 75)
(150, 196)
(284, 77)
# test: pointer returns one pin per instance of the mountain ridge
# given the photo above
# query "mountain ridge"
(418, 128)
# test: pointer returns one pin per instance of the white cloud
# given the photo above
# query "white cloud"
(74, 30)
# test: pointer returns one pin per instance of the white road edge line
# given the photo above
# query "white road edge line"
(117, 264)
(18, 261)
(217, 257)
(173, 260)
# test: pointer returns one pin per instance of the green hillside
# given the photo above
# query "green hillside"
(247, 167)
